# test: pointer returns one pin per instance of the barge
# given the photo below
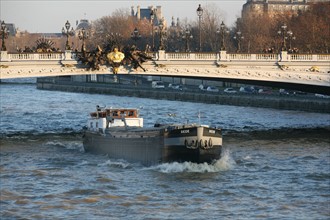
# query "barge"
(119, 133)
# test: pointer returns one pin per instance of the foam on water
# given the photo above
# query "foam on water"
(55, 144)
(226, 162)
(70, 145)
(83, 163)
(116, 163)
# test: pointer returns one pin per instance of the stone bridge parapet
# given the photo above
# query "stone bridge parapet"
(283, 68)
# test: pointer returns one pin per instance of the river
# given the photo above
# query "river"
(275, 165)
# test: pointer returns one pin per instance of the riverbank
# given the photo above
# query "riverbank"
(298, 103)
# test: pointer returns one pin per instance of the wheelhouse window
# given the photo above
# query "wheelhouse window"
(131, 113)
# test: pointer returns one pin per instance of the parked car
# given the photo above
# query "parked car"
(249, 89)
(285, 92)
(175, 86)
(158, 85)
(300, 93)
(171, 84)
(230, 90)
(246, 90)
(202, 87)
(265, 91)
(212, 89)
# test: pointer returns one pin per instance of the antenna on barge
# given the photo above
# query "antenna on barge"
(124, 120)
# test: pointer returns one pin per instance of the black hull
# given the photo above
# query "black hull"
(149, 150)
(182, 154)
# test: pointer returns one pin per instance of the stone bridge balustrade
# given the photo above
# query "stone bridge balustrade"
(57, 56)
(191, 56)
(35, 56)
(300, 70)
(162, 55)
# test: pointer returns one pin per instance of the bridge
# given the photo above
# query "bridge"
(304, 72)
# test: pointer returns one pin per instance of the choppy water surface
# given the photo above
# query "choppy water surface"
(276, 164)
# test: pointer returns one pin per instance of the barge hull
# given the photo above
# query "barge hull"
(180, 153)
(147, 151)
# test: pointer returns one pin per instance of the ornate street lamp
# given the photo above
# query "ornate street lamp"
(152, 17)
(186, 35)
(135, 35)
(200, 14)
(283, 34)
(4, 35)
(238, 37)
(83, 35)
(67, 32)
(290, 37)
(162, 34)
(222, 31)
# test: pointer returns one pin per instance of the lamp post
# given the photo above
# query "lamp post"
(4, 35)
(238, 37)
(67, 32)
(222, 31)
(200, 14)
(152, 17)
(283, 34)
(290, 37)
(135, 35)
(162, 34)
(83, 35)
(186, 35)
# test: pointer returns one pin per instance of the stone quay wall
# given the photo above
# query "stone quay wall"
(297, 103)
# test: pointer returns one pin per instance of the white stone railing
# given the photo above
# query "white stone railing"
(309, 57)
(51, 56)
(191, 56)
(238, 56)
(21, 56)
(267, 57)
(162, 55)
(215, 56)
(301, 57)
(325, 57)
(35, 56)
(178, 56)
(284, 56)
(206, 56)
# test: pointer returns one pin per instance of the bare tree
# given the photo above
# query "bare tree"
(212, 18)
(112, 29)
(311, 30)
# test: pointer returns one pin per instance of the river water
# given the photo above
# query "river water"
(276, 164)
